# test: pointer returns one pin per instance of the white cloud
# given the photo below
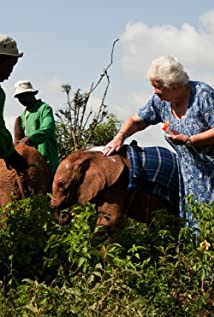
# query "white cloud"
(207, 21)
(194, 48)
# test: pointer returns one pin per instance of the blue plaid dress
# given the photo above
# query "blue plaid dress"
(196, 163)
(154, 169)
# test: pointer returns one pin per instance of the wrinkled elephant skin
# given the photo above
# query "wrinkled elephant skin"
(34, 181)
(89, 176)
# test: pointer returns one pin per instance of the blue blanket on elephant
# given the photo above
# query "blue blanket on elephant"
(155, 170)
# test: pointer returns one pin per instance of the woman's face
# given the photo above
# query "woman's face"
(7, 64)
(162, 92)
(165, 93)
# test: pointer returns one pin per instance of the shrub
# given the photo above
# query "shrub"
(50, 270)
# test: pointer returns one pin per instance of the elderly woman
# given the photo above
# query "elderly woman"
(189, 107)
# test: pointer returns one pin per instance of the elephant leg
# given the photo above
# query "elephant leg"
(110, 207)
(111, 201)
(109, 215)
(141, 205)
(5, 198)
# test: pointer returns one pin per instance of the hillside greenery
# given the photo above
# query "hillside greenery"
(51, 270)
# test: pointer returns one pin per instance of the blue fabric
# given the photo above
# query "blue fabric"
(197, 163)
(155, 170)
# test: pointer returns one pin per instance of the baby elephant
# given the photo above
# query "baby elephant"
(34, 180)
(89, 176)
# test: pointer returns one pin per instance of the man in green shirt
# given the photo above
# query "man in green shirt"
(37, 125)
(9, 55)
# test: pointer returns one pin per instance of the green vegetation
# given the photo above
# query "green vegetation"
(49, 270)
(82, 122)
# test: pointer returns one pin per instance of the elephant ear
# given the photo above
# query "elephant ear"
(18, 131)
(103, 171)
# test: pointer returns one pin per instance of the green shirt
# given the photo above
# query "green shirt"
(6, 141)
(39, 125)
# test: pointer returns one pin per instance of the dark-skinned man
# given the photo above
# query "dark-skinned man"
(37, 125)
(9, 56)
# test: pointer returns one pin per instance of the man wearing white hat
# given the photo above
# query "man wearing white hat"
(9, 55)
(36, 125)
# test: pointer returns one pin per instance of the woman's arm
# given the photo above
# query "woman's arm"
(133, 124)
(205, 138)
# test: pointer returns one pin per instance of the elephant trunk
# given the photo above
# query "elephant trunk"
(63, 218)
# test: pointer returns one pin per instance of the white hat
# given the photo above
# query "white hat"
(8, 46)
(24, 86)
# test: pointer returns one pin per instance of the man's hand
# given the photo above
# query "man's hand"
(25, 140)
(16, 161)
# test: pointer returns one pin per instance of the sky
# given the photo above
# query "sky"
(71, 42)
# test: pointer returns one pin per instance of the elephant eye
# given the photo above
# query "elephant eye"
(61, 184)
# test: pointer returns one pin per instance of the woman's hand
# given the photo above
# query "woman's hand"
(178, 139)
(113, 145)
(25, 140)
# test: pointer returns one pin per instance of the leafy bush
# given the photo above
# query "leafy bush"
(50, 270)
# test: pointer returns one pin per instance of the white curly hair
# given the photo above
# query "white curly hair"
(168, 72)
